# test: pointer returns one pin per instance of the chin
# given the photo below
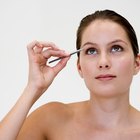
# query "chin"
(108, 93)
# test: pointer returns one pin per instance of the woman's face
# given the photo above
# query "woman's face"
(107, 63)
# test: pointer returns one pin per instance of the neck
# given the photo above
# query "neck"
(110, 112)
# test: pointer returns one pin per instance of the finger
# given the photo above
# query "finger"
(37, 47)
(31, 45)
(61, 64)
(59, 53)
(49, 45)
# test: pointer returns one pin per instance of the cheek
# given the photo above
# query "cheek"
(89, 71)
(125, 66)
(88, 68)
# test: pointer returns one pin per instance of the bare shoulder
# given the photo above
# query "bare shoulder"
(57, 111)
(135, 116)
(44, 120)
(133, 130)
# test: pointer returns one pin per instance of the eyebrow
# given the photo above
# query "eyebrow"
(88, 43)
(115, 41)
(118, 40)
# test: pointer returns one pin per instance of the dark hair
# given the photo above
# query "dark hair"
(109, 15)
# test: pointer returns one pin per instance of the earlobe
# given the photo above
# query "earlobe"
(79, 69)
(137, 64)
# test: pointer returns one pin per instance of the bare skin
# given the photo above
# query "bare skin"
(74, 121)
(108, 114)
(39, 79)
(107, 65)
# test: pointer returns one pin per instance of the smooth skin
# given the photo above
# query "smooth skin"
(107, 65)
(40, 78)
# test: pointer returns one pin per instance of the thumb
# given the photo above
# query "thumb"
(61, 64)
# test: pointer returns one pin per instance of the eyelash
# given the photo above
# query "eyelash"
(118, 47)
(93, 51)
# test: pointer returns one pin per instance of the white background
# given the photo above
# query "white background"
(22, 21)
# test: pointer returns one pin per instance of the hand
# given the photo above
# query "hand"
(41, 74)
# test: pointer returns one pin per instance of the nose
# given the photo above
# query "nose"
(104, 62)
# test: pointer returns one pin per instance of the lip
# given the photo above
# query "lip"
(105, 77)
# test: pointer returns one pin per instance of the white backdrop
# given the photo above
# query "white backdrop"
(22, 21)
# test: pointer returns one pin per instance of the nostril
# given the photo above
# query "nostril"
(100, 66)
(106, 66)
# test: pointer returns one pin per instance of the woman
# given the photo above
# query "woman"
(108, 61)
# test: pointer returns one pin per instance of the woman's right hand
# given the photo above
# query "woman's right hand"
(41, 74)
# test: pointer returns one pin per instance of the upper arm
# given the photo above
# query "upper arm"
(33, 127)
(41, 124)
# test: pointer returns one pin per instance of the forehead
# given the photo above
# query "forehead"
(104, 30)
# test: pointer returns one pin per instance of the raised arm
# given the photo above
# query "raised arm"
(40, 78)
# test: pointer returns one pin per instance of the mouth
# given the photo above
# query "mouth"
(105, 77)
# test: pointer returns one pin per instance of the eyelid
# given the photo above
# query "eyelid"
(117, 46)
(90, 48)
(96, 50)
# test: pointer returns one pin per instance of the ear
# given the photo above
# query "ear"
(137, 64)
(79, 68)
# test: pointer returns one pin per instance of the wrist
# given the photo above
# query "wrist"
(32, 92)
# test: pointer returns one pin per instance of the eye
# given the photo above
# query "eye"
(116, 48)
(91, 51)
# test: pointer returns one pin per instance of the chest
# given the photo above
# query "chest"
(87, 133)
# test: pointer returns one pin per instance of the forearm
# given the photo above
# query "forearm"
(12, 122)
(40, 78)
